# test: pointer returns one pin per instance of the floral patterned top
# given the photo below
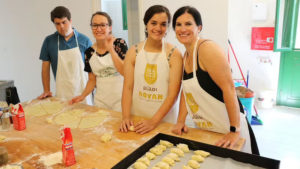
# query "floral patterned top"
(119, 45)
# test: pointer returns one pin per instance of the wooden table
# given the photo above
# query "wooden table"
(41, 139)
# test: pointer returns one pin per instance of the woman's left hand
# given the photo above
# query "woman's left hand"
(145, 126)
(229, 140)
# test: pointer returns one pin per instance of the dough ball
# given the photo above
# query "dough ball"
(183, 147)
(162, 147)
(2, 138)
(49, 120)
(174, 156)
(168, 160)
(166, 143)
(106, 137)
(144, 160)
(131, 128)
(177, 151)
(139, 165)
(186, 167)
(155, 150)
(193, 164)
(150, 155)
(202, 153)
(198, 158)
(162, 165)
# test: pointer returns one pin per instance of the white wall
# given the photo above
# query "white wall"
(114, 9)
(133, 19)
(262, 65)
(24, 25)
(214, 15)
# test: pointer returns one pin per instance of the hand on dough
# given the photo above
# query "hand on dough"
(125, 125)
(179, 128)
(77, 99)
(145, 126)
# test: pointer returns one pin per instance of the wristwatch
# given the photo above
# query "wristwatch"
(234, 129)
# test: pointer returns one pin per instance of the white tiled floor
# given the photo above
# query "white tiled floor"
(279, 136)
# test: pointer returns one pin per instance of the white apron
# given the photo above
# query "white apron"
(70, 75)
(151, 80)
(207, 112)
(109, 82)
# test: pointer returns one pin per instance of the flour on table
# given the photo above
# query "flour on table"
(11, 166)
(51, 159)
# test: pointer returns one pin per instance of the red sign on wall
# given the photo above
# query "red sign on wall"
(262, 38)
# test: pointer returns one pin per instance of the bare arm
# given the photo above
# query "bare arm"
(213, 60)
(90, 85)
(128, 89)
(175, 76)
(46, 80)
(180, 126)
(118, 62)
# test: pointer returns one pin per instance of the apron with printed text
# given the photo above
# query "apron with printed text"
(70, 76)
(151, 80)
(109, 82)
(207, 112)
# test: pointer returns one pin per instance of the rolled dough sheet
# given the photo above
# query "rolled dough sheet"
(44, 108)
(34, 110)
(52, 107)
(78, 118)
(69, 118)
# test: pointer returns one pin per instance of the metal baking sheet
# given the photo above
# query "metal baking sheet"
(210, 162)
(219, 158)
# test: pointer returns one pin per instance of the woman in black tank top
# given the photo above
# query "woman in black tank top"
(213, 75)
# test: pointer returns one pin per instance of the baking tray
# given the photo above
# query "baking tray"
(238, 156)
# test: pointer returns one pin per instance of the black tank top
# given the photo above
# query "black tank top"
(206, 82)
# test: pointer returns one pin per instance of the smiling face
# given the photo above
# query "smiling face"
(63, 26)
(157, 26)
(100, 27)
(186, 29)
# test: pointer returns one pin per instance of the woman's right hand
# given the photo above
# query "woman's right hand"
(125, 124)
(109, 43)
(77, 99)
(179, 128)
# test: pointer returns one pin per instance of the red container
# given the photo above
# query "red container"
(18, 117)
(67, 147)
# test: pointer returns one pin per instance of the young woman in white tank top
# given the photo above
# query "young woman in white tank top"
(152, 76)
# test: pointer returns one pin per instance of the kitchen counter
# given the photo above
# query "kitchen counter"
(41, 139)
